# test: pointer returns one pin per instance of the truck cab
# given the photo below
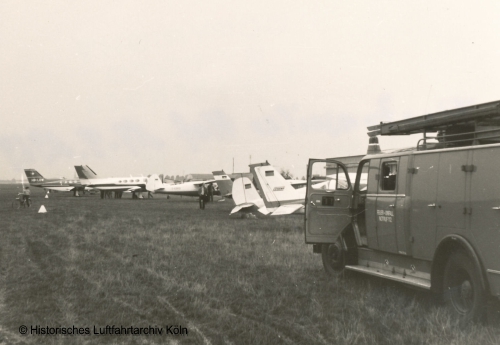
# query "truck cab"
(428, 217)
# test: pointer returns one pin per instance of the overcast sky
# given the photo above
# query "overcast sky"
(178, 87)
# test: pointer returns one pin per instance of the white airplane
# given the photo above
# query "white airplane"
(277, 195)
(135, 185)
(190, 188)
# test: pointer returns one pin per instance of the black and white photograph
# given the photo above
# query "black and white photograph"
(249, 172)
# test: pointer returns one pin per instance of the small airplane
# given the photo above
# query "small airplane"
(135, 185)
(190, 188)
(54, 184)
(277, 195)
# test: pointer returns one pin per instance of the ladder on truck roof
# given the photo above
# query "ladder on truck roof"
(472, 125)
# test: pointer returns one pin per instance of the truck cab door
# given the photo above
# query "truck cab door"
(387, 205)
(328, 201)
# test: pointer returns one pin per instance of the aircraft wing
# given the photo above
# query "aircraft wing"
(60, 189)
(287, 209)
(241, 207)
(118, 188)
(199, 183)
(298, 183)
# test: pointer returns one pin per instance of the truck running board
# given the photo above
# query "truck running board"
(407, 279)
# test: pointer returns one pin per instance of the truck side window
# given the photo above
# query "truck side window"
(389, 175)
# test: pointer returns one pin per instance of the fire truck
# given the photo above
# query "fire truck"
(427, 216)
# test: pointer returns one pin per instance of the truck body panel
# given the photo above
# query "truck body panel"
(428, 216)
(414, 200)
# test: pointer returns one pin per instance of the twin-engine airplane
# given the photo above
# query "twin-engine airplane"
(135, 185)
(54, 184)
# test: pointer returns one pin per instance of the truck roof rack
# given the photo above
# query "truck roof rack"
(472, 125)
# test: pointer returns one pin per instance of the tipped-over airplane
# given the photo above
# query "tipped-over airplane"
(135, 185)
(277, 195)
(54, 184)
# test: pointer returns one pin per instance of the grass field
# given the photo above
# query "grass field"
(163, 262)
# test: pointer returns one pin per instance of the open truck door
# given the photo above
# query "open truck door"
(328, 201)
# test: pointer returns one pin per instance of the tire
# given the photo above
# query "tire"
(463, 288)
(333, 256)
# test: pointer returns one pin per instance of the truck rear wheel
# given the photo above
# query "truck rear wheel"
(333, 256)
(463, 288)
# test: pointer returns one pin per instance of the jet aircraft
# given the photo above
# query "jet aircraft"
(54, 184)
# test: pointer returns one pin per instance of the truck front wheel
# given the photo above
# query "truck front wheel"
(463, 290)
(333, 256)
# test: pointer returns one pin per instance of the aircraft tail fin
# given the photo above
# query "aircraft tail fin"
(85, 173)
(275, 190)
(33, 175)
(154, 182)
(241, 207)
(224, 183)
(245, 195)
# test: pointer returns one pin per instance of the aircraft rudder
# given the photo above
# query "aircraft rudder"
(275, 189)
(154, 182)
(33, 176)
(85, 172)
